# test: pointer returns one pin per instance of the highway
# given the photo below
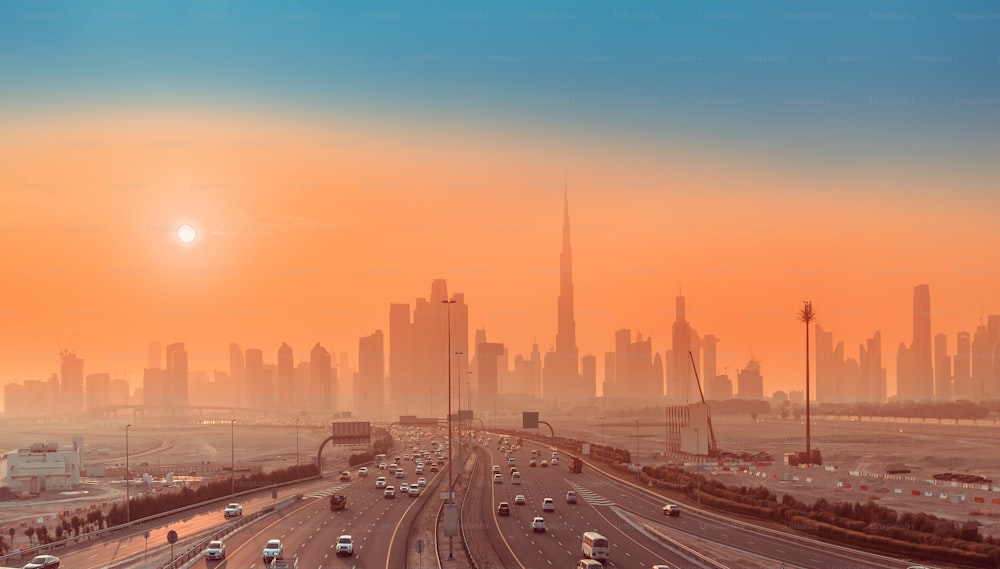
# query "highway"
(600, 495)
(307, 528)
(560, 544)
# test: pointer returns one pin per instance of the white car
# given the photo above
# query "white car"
(519, 500)
(233, 509)
(421, 481)
(390, 492)
(414, 491)
(345, 545)
(215, 550)
(272, 550)
(548, 505)
(538, 524)
(555, 460)
(497, 479)
(404, 487)
(363, 471)
(380, 482)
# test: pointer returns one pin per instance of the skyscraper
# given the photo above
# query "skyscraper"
(680, 381)
(71, 383)
(400, 357)
(942, 368)
(288, 394)
(369, 388)
(321, 386)
(962, 381)
(920, 384)
(176, 375)
(561, 373)
(254, 370)
(750, 382)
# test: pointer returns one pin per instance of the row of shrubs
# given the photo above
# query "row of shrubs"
(865, 525)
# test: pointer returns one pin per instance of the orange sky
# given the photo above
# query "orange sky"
(308, 229)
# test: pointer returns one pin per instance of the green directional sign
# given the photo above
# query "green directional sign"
(529, 420)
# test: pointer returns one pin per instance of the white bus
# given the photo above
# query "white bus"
(595, 546)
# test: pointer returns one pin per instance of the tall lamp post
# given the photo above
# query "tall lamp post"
(807, 315)
(698, 448)
(451, 458)
(232, 456)
(459, 397)
(297, 448)
(128, 479)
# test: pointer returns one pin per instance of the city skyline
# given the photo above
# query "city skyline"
(751, 159)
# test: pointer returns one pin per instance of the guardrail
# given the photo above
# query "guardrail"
(199, 547)
(461, 512)
(48, 547)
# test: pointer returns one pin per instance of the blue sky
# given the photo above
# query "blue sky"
(720, 70)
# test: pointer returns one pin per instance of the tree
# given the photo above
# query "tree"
(30, 532)
(4, 547)
(784, 413)
(807, 315)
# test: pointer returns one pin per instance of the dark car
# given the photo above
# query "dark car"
(503, 509)
(43, 562)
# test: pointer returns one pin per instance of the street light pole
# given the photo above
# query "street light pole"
(297, 448)
(697, 434)
(232, 456)
(128, 477)
(636, 441)
(451, 458)
(459, 397)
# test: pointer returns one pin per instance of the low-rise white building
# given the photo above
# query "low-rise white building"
(45, 466)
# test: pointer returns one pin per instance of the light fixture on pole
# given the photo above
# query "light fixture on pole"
(459, 397)
(128, 477)
(451, 459)
(232, 456)
(297, 448)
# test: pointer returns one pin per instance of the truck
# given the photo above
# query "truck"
(576, 464)
(338, 502)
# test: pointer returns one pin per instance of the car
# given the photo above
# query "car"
(497, 479)
(345, 545)
(392, 469)
(548, 505)
(363, 471)
(510, 461)
(545, 464)
(418, 470)
(515, 477)
(400, 473)
(555, 460)
(571, 497)
(672, 510)
(538, 524)
(421, 481)
(233, 509)
(345, 476)
(496, 469)
(215, 550)
(434, 468)
(273, 549)
(389, 493)
(381, 466)
(503, 509)
(380, 482)
(414, 491)
(404, 487)
(532, 463)
(519, 500)
(43, 562)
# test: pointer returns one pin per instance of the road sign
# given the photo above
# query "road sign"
(145, 534)
(529, 420)
(274, 493)
(451, 520)
(447, 495)
(172, 537)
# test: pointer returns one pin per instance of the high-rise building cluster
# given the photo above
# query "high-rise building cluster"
(403, 372)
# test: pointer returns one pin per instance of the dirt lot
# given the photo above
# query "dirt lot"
(182, 447)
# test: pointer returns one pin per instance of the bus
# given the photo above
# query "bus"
(595, 546)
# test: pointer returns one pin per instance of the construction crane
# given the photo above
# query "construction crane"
(713, 448)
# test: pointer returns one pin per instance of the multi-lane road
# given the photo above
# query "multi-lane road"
(380, 526)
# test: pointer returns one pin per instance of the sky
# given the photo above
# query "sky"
(334, 158)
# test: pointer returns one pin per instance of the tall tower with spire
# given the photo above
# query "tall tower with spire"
(562, 371)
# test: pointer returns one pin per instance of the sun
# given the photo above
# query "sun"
(186, 233)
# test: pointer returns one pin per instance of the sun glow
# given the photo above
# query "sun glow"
(186, 233)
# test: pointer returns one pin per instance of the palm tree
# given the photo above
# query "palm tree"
(807, 315)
